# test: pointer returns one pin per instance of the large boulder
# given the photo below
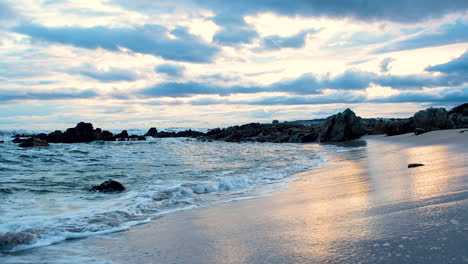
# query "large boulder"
(109, 186)
(341, 127)
(432, 119)
(34, 142)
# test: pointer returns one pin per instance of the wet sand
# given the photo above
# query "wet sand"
(364, 206)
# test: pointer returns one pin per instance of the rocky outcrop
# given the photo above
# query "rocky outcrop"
(2, 141)
(286, 132)
(152, 132)
(461, 110)
(123, 134)
(398, 127)
(34, 142)
(414, 165)
(109, 186)
(82, 133)
(341, 127)
(433, 119)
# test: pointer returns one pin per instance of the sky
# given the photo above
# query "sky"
(209, 63)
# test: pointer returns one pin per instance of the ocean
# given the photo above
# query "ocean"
(45, 197)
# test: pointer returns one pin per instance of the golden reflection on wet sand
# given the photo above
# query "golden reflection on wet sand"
(331, 206)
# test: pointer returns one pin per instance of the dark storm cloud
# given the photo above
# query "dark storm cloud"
(148, 39)
(458, 65)
(173, 70)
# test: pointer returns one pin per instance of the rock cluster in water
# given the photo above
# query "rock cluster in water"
(34, 142)
(340, 127)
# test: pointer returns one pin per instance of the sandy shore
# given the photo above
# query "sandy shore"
(363, 206)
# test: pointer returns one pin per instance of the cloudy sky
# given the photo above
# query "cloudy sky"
(208, 63)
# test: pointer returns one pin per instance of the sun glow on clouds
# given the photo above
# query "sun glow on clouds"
(201, 68)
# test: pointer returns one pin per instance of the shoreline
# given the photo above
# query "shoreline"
(330, 215)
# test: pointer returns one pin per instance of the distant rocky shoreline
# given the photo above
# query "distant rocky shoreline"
(340, 127)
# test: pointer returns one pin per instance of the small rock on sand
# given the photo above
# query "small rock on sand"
(413, 165)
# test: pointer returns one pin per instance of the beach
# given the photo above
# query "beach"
(364, 206)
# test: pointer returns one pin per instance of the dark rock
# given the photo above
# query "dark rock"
(22, 135)
(152, 132)
(55, 137)
(82, 133)
(296, 138)
(433, 119)
(34, 142)
(165, 134)
(419, 131)
(461, 110)
(189, 133)
(109, 186)
(341, 127)
(42, 136)
(9, 240)
(400, 127)
(18, 140)
(97, 133)
(413, 165)
(123, 134)
(136, 138)
(308, 138)
(463, 131)
(2, 141)
(459, 120)
(107, 136)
